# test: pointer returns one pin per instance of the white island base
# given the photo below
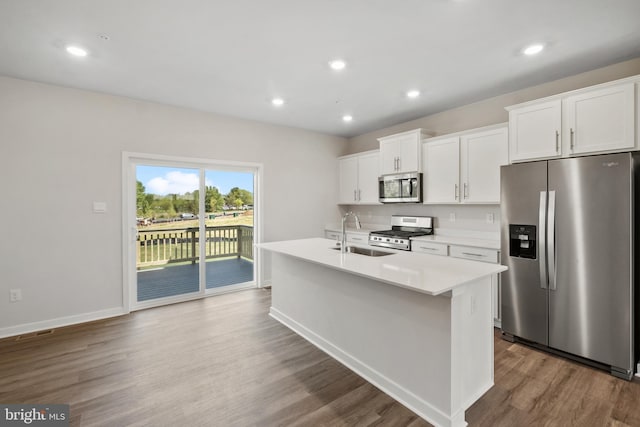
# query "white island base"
(432, 353)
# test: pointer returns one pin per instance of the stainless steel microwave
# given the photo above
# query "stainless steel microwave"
(400, 188)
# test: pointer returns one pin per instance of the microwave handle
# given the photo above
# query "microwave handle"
(413, 184)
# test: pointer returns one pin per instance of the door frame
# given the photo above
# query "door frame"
(129, 226)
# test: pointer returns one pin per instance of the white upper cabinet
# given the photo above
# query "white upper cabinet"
(368, 172)
(465, 167)
(593, 120)
(535, 131)
(441, 170)
(600, 120)
(348, 169)
(401, 152)
(481, 155)
(359, 178)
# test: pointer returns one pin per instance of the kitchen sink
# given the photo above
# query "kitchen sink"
(364, 251)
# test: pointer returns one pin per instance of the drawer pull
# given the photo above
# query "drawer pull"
(356, 238)
(472, 254)
(428, 249)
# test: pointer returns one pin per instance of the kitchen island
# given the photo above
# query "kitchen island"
(417, 326)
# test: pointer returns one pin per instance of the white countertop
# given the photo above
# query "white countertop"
(429, 274)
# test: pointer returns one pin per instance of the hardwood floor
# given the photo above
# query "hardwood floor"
(223, 361)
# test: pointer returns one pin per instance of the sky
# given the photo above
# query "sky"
(164, 180)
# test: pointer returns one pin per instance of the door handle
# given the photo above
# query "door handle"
(355, 195)
(557, 141)
(551, 240)
(455, 192)
(542, 239)
(466, 191)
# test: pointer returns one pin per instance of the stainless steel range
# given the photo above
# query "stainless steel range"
(402, 229)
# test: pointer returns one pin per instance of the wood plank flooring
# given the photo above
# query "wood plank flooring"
(223, 361)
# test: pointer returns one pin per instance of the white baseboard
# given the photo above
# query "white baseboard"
(28, 328)
(402, 395)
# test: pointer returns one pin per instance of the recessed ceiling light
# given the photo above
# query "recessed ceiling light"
(533, 49)
(77, 51)
(347, 118)
(337, 64)
(413, 94)
(277, 101)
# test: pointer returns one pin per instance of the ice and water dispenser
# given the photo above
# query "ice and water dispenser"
(522, 241)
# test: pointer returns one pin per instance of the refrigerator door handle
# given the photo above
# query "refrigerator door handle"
(551, 240)
(542, 239)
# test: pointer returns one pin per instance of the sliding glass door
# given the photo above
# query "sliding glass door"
(194, 230)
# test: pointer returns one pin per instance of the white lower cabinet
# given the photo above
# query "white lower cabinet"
(430, 248)
(354, 237)
(333, 235)
(472, 253)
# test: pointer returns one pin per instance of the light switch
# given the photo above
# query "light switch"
(99, 207)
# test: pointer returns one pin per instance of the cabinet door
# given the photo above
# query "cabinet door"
(409, 154)
(441, 171)
(535, 131)
(368, 172)
(481, 156)
(400, 153)
(389, 152)
(348, 191)
(601, 120)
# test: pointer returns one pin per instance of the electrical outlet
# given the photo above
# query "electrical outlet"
(452, 217)
(15, 295)
(490, 218)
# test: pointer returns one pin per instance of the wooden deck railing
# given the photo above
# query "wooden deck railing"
(164, 246)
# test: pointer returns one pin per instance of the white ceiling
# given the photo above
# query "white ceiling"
(232, 56)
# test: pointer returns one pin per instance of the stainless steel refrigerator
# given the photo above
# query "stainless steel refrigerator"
(567, 237)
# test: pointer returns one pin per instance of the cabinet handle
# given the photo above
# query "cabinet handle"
(355, 197)
(428, 249)
(455, 192)
(557, 141)
(571, 132)
(466, 191)
(357, 238)
(472, 254)
(398, 164)
(359, 195)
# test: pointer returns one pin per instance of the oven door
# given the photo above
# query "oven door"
(400, 188)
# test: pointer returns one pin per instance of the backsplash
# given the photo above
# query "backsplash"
(451, 217)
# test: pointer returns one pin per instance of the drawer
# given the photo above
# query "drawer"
(476, 254)
(359, 238)
(333, 235)
(429, 248)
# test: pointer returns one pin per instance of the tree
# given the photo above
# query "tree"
(235, 194)
(143, 201)
(213, 200)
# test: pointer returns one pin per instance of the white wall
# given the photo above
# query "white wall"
(467, 217)
(492, 111)
(60, 150)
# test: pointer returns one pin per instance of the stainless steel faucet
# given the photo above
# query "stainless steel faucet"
(343, 245)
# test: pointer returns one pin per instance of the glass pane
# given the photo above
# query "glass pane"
(167, 216)
(229, 228)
